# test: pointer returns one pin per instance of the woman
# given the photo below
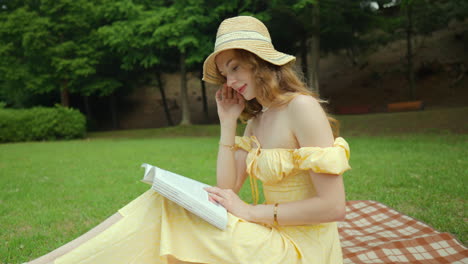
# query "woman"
(288, 144)
(287, 134)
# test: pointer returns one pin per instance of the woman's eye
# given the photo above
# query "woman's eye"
(235, 68)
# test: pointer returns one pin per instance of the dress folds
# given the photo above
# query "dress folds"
(152, 227)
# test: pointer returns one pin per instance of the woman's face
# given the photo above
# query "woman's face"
(237, 73)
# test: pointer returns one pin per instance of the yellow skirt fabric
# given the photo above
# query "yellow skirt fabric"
(152, 228)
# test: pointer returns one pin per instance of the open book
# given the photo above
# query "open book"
(186, 192)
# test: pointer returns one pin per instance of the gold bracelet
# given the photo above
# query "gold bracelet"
(231, 147)
(275, 214)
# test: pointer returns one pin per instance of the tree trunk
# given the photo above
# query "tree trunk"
(183, 92)
(204, 99)
(164, 100)
(351, 56)
(113, 110)
(304, 64)
(313, 76)
(65, 94)
(87, 107)
(409, 51)
(88, 111)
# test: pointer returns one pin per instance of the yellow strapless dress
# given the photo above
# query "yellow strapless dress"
(153, 227)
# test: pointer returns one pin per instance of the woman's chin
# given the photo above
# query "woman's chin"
(248, 98)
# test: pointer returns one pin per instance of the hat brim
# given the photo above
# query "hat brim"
(210, 71)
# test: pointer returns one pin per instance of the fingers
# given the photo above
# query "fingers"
(225, 91)
(214, 190)
(219, 95)
(240, 99)
(216, 195)
(232, 93)
(229, 95)
(228, 199)
(216, 199)
(226, 96)
(219, 193)
(212, 200)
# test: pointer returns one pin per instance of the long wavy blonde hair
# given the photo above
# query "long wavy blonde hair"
(277, 86)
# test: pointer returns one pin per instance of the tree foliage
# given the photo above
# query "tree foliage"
(52, 46)
(94, 48)
(420, 17)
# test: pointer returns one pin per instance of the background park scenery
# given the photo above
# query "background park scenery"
(89, 90)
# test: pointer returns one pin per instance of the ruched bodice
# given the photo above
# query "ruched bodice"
(284, 172)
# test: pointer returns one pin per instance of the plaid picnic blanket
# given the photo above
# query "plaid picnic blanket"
(374, 233)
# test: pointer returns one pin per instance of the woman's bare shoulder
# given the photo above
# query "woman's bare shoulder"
(309, 122)
(302, 103)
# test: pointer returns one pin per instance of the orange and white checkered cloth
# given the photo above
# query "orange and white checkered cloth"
(374, 233)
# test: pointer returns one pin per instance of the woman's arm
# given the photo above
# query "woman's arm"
(310, 125)
(225, 164)
(227, 196)
(311, 128)
(230, 165)
(327, 206)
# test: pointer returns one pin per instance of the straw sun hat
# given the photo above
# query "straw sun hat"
(247, 33)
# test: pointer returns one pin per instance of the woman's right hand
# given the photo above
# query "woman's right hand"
(230, 104)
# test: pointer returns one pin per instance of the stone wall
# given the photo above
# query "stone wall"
(144, 107)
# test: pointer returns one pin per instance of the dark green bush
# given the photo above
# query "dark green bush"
(41, 123)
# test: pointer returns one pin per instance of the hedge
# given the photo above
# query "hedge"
(41, 123)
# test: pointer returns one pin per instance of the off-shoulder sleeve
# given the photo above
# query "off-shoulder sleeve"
(244, 143)
(331, 160)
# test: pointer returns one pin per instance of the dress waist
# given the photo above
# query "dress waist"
(280, 194)
(298, 187)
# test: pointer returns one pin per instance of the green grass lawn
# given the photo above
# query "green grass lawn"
(51, 192)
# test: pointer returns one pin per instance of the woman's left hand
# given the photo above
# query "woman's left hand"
(229, 103)
(229, 200)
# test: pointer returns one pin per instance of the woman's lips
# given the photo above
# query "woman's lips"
(242, 89)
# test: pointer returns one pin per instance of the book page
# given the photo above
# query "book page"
(191, 187)
(186, 192)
